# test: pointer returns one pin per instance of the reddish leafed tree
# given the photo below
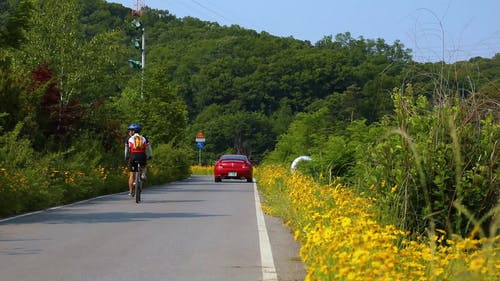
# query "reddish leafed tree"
(62, 116)
(42, 76)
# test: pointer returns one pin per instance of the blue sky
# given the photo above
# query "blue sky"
(434, 29)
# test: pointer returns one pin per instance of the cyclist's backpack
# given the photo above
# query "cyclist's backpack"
(138, 142)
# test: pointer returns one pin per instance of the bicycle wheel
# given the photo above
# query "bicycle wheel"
(138, 187)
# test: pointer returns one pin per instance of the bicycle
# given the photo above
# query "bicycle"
(137, 186)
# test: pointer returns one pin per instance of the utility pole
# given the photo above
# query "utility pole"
(143, 62)
(139, 43)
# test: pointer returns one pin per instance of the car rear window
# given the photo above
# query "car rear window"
(233, 157)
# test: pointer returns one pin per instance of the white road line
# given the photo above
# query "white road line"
(19, 216)
(266, 254)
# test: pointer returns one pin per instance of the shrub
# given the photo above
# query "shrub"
(168, 164)
(435, 159)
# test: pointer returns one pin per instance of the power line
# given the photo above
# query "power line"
(211, 10)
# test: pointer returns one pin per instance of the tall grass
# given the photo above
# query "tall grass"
(439, 157)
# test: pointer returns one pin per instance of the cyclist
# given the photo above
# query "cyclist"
(137, 150)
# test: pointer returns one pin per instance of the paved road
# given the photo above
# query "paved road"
(185, 231)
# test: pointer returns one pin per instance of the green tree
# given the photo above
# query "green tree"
(14, 23)
(80, 70)
(232, 131)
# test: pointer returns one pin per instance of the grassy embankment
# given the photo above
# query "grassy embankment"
(341, 239)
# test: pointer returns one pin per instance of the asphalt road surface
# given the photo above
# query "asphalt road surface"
(193, 230)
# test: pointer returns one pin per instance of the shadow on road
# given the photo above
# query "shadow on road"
(82, 214)
(59, 217)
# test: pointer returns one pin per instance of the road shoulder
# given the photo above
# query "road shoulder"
(285, 249)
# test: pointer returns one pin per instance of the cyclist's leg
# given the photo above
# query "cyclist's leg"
(132, 171)
(141, 158)
(130, 177)
(131, 182)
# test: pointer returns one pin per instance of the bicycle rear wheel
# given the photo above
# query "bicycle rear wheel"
(138, 187)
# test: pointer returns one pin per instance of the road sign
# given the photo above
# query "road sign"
(200, 137)
(200, 145)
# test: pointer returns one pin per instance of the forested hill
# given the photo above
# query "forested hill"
(243, 88)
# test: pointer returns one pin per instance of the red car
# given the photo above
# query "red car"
(233, 166)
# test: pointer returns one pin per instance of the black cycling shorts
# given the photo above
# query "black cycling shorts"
(137, 158)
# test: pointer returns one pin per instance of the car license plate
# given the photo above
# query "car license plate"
(232, 174)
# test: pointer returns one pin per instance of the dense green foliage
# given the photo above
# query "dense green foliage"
(68, 96)
(361, 108)
(434, 162)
